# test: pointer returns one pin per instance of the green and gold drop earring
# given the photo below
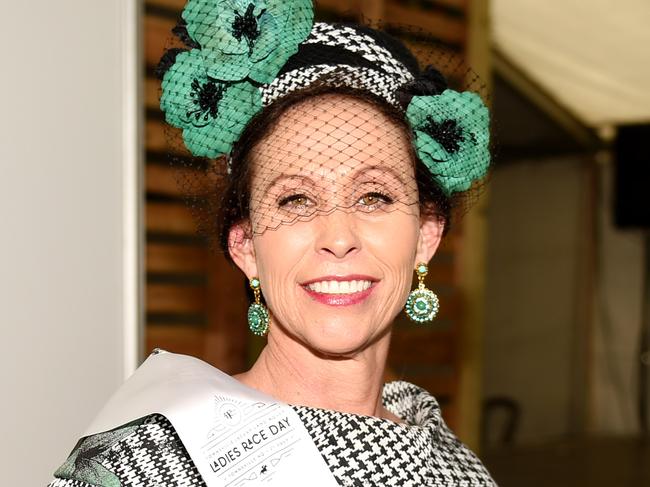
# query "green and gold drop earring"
(422, 304)
(258, 315)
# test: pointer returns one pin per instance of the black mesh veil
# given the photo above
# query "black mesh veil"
(275, 119)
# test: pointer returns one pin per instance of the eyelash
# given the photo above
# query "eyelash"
(291, 198)
(381, 196)
(384, 198)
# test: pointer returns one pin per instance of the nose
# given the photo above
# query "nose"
(337, 236)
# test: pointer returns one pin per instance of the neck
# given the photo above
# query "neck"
(291, 372)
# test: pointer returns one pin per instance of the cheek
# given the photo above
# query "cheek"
(393, 244)
(393, 240)
(278, 255)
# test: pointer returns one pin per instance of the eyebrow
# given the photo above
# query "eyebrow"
(388, 169)
(359, 174)
(283, 175)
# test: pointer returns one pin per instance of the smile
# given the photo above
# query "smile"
(340, 291)
(339, 287)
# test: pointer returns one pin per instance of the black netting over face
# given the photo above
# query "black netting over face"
(282, 120)
(353, 153)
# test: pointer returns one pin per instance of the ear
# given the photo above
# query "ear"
(241, 249)
(430, 235)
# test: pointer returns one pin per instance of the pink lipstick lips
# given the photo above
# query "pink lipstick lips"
(340, 290)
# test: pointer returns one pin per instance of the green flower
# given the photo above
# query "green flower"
(212, 114)
(248, 38)
(452, 137)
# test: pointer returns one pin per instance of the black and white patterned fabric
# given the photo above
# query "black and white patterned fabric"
(341, 56)
(359, 450)
(68, 483)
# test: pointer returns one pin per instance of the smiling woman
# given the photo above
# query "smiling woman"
(338, 164)
(334, 177)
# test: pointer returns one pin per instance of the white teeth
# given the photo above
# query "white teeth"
(339, 287)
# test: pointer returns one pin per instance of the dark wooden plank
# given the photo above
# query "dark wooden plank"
(154, 137)
(449, 412)
(228, 333)
(173, 218)
(172, 298)
(185, 339)
(163, 179)
(152, 93)
(163, 138)
(439, 382)
(459, 5)
(441, 272)
(449, 62)
(177, 5)
(339, 7)
(175, 258)
(226, 346)
(456, 5)
(424, 347)
(157, 38)
(448, 29)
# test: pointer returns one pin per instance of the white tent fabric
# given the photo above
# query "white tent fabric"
(593, 56)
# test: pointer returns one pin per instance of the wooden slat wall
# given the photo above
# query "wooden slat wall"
(189, 309)
(205, 316)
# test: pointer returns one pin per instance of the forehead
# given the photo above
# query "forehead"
(332, 136)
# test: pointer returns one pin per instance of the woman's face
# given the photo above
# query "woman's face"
(336, 225)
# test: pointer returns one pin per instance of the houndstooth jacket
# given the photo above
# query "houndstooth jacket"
(359, 450)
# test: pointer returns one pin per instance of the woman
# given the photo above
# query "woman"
(342, 162)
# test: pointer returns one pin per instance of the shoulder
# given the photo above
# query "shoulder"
(453, 461)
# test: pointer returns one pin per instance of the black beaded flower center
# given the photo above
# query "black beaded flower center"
(447, 133)
(206, 98)
(246, 26)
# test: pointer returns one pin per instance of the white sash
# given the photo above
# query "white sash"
(235, 435)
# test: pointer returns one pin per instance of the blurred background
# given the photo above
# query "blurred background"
(540, 355)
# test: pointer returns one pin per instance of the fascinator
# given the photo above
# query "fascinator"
(237, 93)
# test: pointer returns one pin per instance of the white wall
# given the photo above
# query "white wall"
(66, 216)
(534, 222)
(538, 287)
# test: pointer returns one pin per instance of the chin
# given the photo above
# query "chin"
(341, 339)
